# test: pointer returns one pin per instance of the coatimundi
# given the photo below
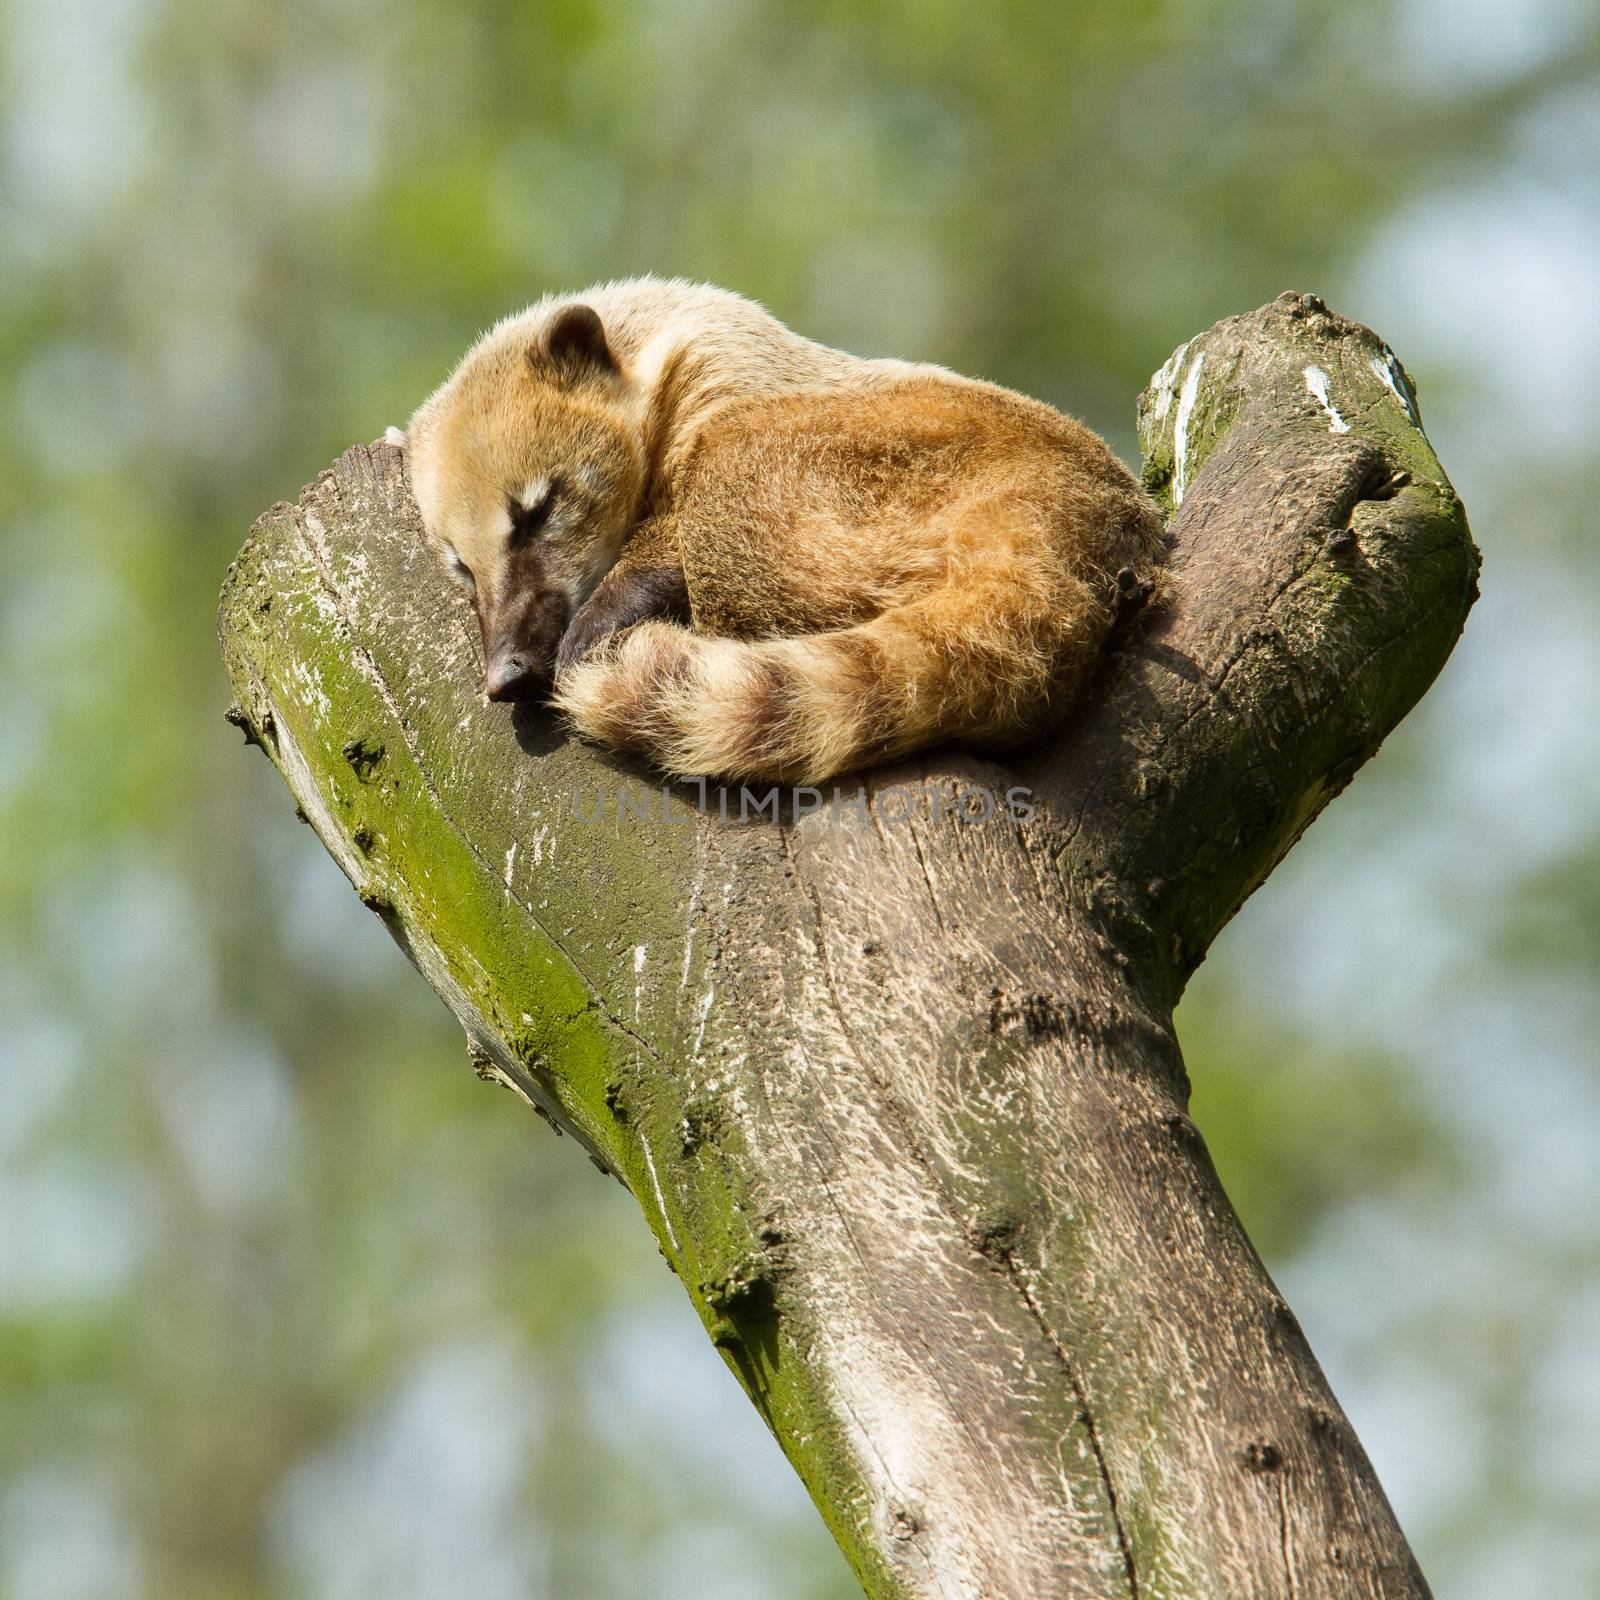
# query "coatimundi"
(748, 556)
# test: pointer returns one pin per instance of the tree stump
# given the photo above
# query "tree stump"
(892, 1073)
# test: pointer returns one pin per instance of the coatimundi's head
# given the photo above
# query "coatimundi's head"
(528, 471)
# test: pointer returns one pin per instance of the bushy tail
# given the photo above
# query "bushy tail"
(985, 662)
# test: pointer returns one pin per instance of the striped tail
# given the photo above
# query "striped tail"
(987, 663)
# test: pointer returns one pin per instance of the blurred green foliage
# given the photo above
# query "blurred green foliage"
(290, 1304)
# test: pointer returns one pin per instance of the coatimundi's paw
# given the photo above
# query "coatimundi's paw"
(626, 595)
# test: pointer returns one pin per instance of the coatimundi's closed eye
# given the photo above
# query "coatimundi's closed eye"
(528, 517)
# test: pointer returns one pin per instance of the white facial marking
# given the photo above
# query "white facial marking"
(460, 571)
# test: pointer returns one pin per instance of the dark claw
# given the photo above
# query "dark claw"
(624, 598)
(579, 641)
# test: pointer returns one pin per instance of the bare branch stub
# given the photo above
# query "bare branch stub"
(1322, 571)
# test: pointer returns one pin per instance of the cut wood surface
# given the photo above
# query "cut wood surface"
(892, 1076)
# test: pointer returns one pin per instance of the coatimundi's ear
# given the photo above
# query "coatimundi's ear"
(574, 344)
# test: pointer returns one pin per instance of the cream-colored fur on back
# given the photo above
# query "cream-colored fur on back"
(877, 555)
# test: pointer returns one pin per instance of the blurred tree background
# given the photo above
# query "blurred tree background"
(290, 1304)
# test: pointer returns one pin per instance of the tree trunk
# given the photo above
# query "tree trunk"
(895, 1082)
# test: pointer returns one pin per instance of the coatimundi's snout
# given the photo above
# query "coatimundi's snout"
(528, 471)
(522, 618)
(747, 556)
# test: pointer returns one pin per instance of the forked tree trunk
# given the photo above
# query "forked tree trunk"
(895, 1084)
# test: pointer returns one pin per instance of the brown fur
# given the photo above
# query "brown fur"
(876, 556)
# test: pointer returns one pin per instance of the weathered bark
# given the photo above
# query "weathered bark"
(901, 1098)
